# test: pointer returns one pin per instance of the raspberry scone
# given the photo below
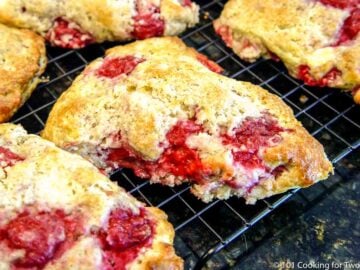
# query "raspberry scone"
(159, 108)
(76, 23)
(318, 40)
(22, 61)
(59, 212)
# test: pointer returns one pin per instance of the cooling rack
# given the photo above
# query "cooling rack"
(213, 236)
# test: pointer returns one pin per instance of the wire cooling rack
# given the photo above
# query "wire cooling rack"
(212, 236)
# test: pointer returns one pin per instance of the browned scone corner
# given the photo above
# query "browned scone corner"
(58, 211)
(304, 156)
(163, 110)
(76, 23)
(22, 61)
(318, 40)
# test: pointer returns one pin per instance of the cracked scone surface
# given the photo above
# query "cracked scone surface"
(59, 212)
(22, 61)
(74, 24)
(158, 107)
(317, 40)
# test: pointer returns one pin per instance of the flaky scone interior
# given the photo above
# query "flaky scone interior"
(163, 110)
(58, 211)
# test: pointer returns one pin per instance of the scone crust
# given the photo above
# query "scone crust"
(23, 60)
(299, 32)
(165, 89)
(56, 179)
(110, 20)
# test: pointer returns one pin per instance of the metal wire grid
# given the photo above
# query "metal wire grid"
(203, 230)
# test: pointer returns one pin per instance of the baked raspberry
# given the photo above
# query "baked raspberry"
(68, 35)
(209, 64)
(8, 158)
(186, 3)
(225, 33)
(343, 4)
(247, 159)
(350, 29)
(326, 80)
(252, 135)
(43, 236)
(114, 67)
(177, 159)
(148, 23)
(124, 236)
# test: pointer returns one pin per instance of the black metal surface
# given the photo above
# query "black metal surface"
(203, 230)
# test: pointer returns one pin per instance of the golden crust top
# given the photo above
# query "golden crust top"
(299, 32)
(170, 85)
(51, 178)
(160, 91)
(104, 20)
(22, 61)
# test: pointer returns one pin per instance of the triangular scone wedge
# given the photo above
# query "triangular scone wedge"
(22, 61)
(58, 211)
(318, 41)
(76, 23)
(159, 108)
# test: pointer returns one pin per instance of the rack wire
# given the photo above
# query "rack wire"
(206, 233)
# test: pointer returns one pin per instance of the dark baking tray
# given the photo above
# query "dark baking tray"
(213, 236)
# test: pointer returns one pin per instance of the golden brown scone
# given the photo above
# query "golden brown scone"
(22, 61)
(59, 212)
(318, 41)
(77, 23)
(156, 107)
